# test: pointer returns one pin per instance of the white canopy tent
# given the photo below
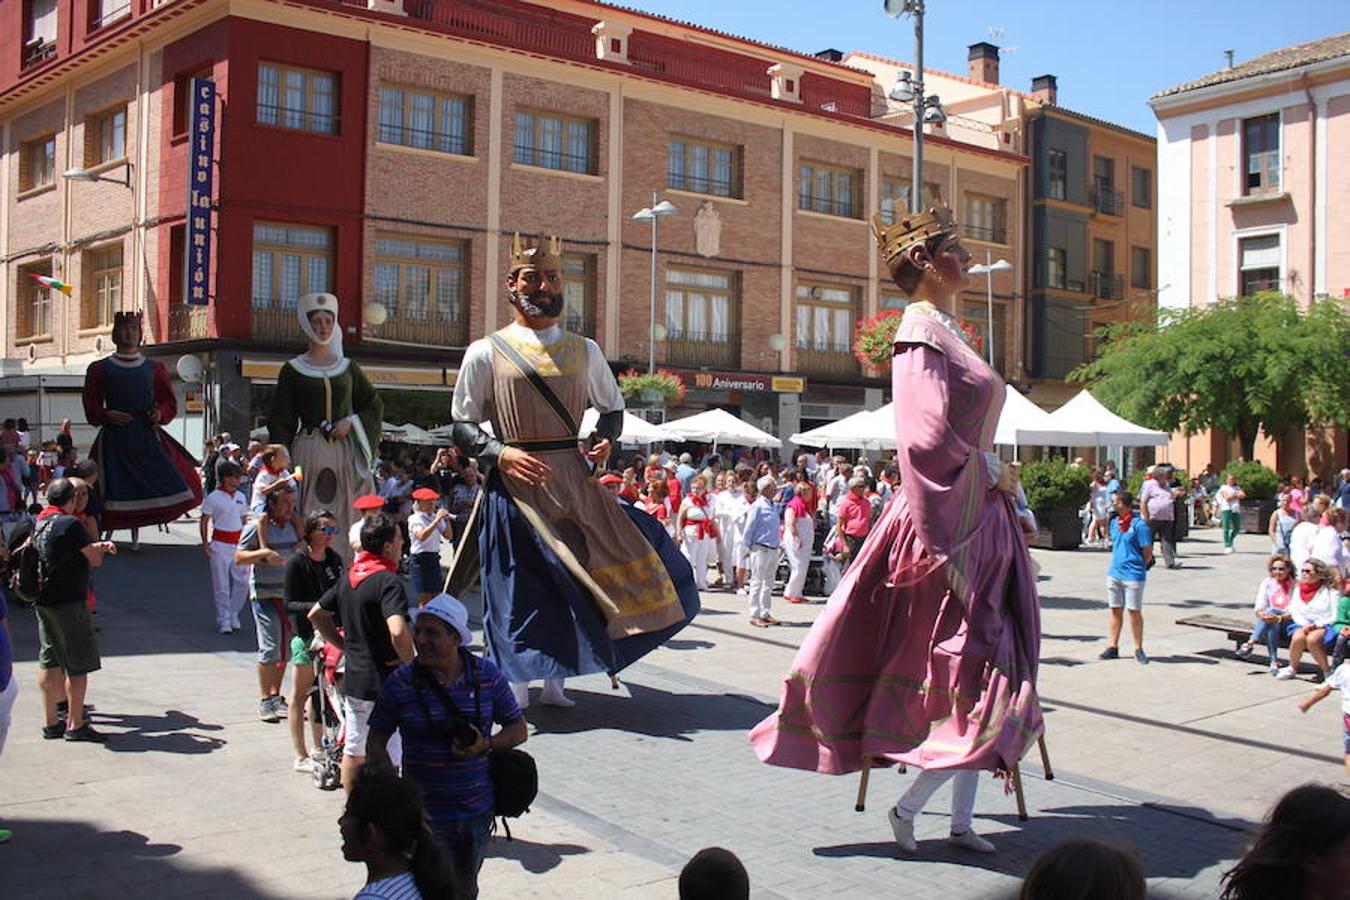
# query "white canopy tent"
(874, 429)
(1084, 422)
(720, 427)
(636, 430)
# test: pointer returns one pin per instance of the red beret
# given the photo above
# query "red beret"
(368, 501)
(425, 494)
(611, 478)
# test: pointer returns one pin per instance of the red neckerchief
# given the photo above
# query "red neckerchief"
(700, 502)
(50, 511)
(272, 471)
(1308, 591)
(1125, 522)
(367, 564)
(629, 491)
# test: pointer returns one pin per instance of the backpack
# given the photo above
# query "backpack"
(28, 571)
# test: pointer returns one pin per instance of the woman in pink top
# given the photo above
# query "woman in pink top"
(927, 650)
(1297, 495)
(1273, 597)
(799, 537)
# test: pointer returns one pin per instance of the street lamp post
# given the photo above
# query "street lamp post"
(652, 213)
(909, 89)
(987, 269)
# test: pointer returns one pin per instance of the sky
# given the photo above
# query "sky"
(1109, 58)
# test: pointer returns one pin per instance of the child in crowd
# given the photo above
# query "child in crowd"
(426, 527)
(367, 505)
(273, 475)
(1340, 680)
(223, 512)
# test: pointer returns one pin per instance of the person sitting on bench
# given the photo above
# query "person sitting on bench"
(1273, 597)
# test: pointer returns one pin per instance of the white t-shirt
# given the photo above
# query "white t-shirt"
(226, 511)
(1340, 680)
(1327, 546)
(265, 479)
(417, 523)
(1301, 543)
(1101, 499)
(1228, 498)
(354, 533)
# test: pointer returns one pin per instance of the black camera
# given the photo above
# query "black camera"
(462, 734)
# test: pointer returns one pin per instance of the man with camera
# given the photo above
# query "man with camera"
(371, 606)
(444, 706)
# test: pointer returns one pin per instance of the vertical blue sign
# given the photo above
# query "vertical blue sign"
(201, 154)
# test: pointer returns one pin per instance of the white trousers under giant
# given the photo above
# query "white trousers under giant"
(964, 783)
(229, 584)
(763, 567)
(799, 559)
(698, 551)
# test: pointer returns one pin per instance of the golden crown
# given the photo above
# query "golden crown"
(537, 256)
(910, 229)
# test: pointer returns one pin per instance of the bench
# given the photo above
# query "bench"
(1237, 629)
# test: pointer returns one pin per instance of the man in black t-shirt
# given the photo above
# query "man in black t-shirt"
(370, 605)
(67, 648)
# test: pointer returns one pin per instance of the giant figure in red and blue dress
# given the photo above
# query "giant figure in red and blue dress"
(145, 477)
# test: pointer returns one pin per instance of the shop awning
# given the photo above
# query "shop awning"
(720, 427)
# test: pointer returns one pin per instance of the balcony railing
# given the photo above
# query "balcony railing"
(699, 351)
(189, 323)
(1107, 285)
(992, 234)
(37, 51)
(1107, 200)
(113, 14)
(427, 332)
(558, 36)
(827, 359)
(275, 325)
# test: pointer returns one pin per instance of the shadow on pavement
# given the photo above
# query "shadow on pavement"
(1079, 638)
(169, 733)
(1019, 846)
(651, 712)
(533, 858)
(1072, 603)
(677, 644)
(62, 859)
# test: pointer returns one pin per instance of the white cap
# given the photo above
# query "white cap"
(765, 482)
(451, 612)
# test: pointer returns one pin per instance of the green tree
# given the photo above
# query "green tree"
(1240, 366)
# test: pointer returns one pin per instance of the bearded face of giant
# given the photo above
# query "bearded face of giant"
(537, 293)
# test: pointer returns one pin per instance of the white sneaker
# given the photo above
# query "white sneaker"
(971, 841)
(304, 764)
(552, 694)
(1227, 550)
(903, 829)
(521, 691)
(1275, 668)
(1286, 673)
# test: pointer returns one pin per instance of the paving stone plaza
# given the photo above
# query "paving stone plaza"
(194, 797)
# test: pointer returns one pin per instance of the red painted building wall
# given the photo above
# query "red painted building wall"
(266, 172)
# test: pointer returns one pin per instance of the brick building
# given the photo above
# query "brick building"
(389, 153)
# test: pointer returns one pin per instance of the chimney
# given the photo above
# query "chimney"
(1044, 89)
(984, 62)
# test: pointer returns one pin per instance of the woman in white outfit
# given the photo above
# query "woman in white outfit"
(696, 529)
(732, 506)
(799, 537)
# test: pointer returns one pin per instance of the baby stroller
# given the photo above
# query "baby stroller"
(326, 702)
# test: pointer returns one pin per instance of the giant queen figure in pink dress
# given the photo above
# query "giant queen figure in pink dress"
(927, 651)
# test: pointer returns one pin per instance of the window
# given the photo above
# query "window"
(893, 301)
(699, 304)
(297, 98)
(288, 262)
(182, 107)
(1261, 150)
(895, 197)
(704, 168)
(1103, 255)
(1056, 263)
(827, 189)
(105, 12)
(37, 163)
(430, 121)
(1058, 187)
(39, 40)
(1105, 283)
(553, 141)
(34, 301)
(105, 137)
(986, 218)
(1104, 172)
(1105, 198)
(1259, 264)
(1141, 267)
(579, 293)
(103, 286)
(1141, 187)
(824, 318)
(420, 279)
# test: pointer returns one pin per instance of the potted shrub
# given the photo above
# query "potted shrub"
(1259, 483)
(1056, 492)
(874, 340)
(655, 388)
